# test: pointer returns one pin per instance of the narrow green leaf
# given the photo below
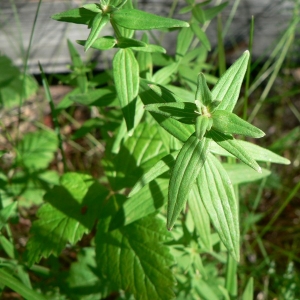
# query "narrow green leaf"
(98, 23)
(76, 15)
(203, 94)
(150, 48)
(147, 201)
(200, 217)
(187, 167)
(181, 111)
(229, 123)
(145, 61)
(123, 42)
(201, 35)
(235, 148)
(228, 87)
(184, 40)
(140, 20)
(218, 197)
(164, 165)
(210, 13)
(234, 172)
(102, 43)
(165, 93)
(258, 153)
(163, 76)
(203, 124)
(198, 13)
(94, 7)
(17, 286)
(126, 76)
(248, 292)
(178, 130)
(137, 247)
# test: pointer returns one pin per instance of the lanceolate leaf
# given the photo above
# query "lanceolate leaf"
(181, 111)
(201, 35)
(200, 217)
(203, 93)
(258, 153)
(203, 124)
(218, 197)
(229, 123)
(235, 148)
(126, 75)
(140, 20)
(187, 167)
(228, 87)
(178, 130)
(134, 259)
(76, 15)
(147, 201)
(98, 23)
(165, 164)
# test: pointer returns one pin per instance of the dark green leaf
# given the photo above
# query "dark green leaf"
(181, 111)
(6, 213)
(137, 247)
(76, 15)
(140, 20)
(187, 167)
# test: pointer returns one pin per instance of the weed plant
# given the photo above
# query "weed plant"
(170, 207)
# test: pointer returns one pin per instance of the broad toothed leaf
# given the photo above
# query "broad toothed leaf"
(134, 259)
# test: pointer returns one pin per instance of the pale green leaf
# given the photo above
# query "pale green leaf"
(196, 28)
(134, 259)
(229, 123)
(258, 153)
(163, 76)
(200, 217)
(212, 12)
(248, 292)
(234, 172)
(203, 94)
(98, 23)
(140, 20)
(203, 124)
(218, 197)
(187, 167)
(228, 86)
(184, 40)
(235, 148)
(126, 76)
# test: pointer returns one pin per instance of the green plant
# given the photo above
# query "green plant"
(163, 144)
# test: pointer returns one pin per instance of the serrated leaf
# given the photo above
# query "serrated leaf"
(165, 164)
(234, 172)
(126, 76)
(65, 221)
(203, 94)
(229, 123)
(76, 15)
(217, 195)
(187, 167)
(181, 111)
(178, 130)
(140, 20)
(235, 148)
(137, 154)
(201, 218)
(6, 213)
(134, 259)
(98, 23)
(148, 200)
(258, 153)
(228, 86)
(36, 150)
